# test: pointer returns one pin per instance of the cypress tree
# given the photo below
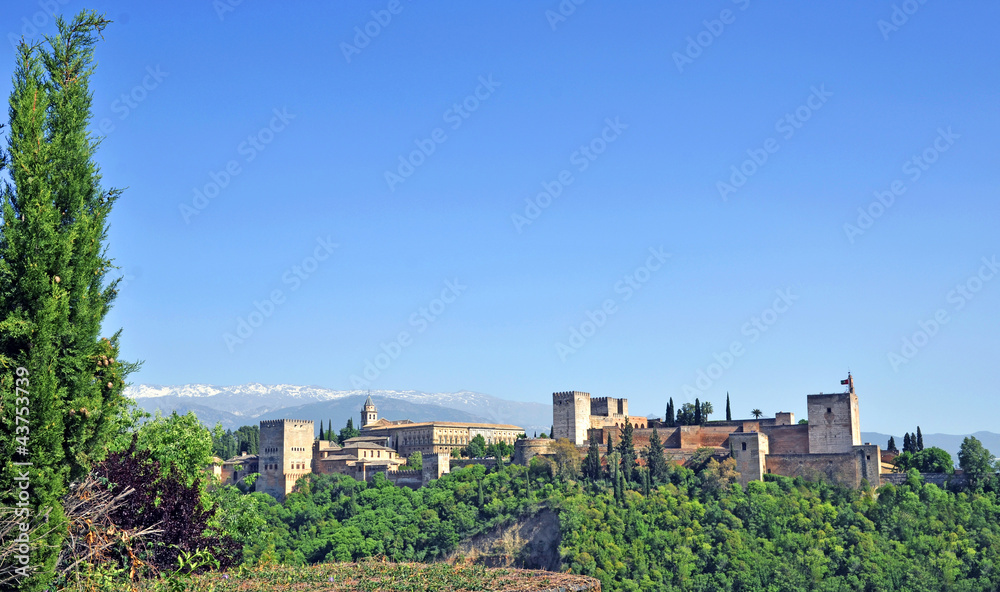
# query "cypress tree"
(654, 457)
(892, 444)
(907, 444)
(729, 412)
(53, 289)
(592, 464)
(697, 412)
(479, 496)
(329, 430)
(626, 448)
(607, 455)
(920, 440)
(671, 414)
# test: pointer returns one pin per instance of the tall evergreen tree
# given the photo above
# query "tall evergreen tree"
(626, 448)
(920, 440)
(892, 444)
(607, 455)
(654, 457)
(592, 464)
(907, 444)
(54, 285)
(329, 430)
(729, 412)
(697, 412)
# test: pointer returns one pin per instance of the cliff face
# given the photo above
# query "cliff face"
(530, 543)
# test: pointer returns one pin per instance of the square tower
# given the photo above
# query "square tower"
(834, 424)
(285, 455)
(571, 416)
(750, 449)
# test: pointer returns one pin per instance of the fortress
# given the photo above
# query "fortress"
(827, 447)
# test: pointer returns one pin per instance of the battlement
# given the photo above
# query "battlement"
(567, 396)
(280, 422)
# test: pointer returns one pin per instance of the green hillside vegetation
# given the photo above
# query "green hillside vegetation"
(685, 530)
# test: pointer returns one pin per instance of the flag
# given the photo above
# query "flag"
(844, 381)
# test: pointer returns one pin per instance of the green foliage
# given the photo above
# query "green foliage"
(179, 440)
(348, 431)
(499, 450)
(592, 464)
(54, 286)
(978, 464)
(756, 413)
(655, 462)
(729, 411)
(227, 444)
(689, 531)
(930, 460)
(626, 449)
(414, 462)
(688, 414)
(476, 447)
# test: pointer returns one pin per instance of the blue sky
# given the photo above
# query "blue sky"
(506, 198)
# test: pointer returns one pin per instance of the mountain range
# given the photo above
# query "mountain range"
(247, 404)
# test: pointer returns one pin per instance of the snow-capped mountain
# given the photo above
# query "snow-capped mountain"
(247, 403)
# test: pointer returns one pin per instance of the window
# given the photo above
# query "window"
(744, 446)
(829, 410)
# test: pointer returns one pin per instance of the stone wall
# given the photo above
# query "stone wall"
(527, 448)
(939, 479)
(788, 439)
(846, 468)
(412, 479)
(706, 435)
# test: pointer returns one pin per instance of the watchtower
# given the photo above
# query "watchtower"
(834, 421)
(285, 455)
(571, 416)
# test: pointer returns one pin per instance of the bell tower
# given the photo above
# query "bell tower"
(369, 414)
